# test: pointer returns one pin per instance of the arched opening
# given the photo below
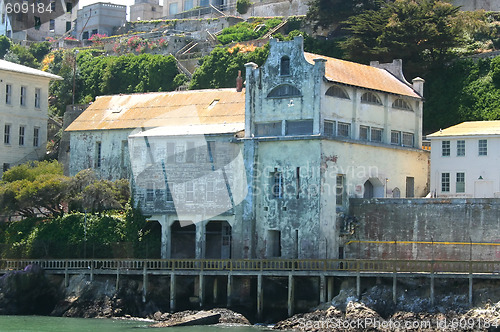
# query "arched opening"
(373, 188)
(218, 239)
(183, 243)
(396, 193)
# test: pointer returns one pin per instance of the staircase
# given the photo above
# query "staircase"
(276, 28)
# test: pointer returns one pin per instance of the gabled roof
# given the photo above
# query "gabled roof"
(364, 76)
(471, 128)
(160, 109)
(17, 68)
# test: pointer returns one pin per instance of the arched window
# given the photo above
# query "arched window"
(396, 193)
(337, 91)
(401, 104)
(285, 90)
(285, 66)
(370, 98)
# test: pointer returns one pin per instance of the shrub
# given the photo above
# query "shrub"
(242, 6)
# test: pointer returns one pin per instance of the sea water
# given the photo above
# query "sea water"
(64, 324)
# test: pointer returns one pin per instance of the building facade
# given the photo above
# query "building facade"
(172, 7)
(268, 171)
(23, 113)
(44, 19)
(144, 10)
(464, 160)
(99, 18)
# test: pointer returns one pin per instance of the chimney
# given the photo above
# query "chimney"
(239, 82)
(418, 85)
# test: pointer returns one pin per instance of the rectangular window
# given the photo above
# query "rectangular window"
(445, 148)
(344, 129)
(277, 184)
(6, 134)
(339, 199)
(52, 5)
(6, 167)
(8, 94)
(168, 196)
(180, 153)
(38, 23)
(36, 137)
(172, 8)
(408, 139)
(460, 148)
(364, 133)
(376, 135)
(304, 127)
(268, 129)
(274, 238)
(52, 24)
(68, 26)
(210, 191)
(124, 154)
(445, 182)
(188, 4)
(22, 99)
(329, 129)
(190, 152)
(395, 137)
(69, 7)
(460, 185)
(483, 147)
(98, 154)
(22, 130)
(37, 97)
(189, 191)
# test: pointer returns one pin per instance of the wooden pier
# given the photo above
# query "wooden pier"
(324, 270)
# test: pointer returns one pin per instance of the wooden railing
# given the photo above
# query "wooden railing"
(253, 265)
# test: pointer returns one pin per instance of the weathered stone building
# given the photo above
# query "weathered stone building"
(266, 172)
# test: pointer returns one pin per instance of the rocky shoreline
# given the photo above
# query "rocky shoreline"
(31, 292)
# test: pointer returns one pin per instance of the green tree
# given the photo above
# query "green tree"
(324, 13)
(21, 55)
(220, 68)
(4, 45)
(418, 31)
(39, 50)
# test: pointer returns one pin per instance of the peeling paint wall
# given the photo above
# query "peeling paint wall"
(114, 154)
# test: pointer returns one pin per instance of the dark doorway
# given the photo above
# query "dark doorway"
(410, 187)
(218, 239)
(368, 189)
(183, 239)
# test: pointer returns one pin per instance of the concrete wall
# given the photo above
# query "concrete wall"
(438, 221)
(274, 8)
(488, 5)
(145, 11)
(103, 17)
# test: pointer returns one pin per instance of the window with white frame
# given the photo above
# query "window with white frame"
(408, 139)
(6, 134)
(38, 99)
(395, 137)
(445, 148)
(445, 182)
(189, 191)
(461, 148)
(370, 98)
(210, 191)
(364, 133)
(22, 132)
(460, 184)
(22, 100)
(329, 128)
(483, 147)
(36, 137)
(376, 134)
(344, 129)
(8, 94)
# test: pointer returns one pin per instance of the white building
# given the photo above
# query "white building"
(23, 113)
(465, 159)
(144, 10)
(99, 18)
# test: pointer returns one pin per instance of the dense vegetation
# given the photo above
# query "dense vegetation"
(97, 74)
(244, 31)
(65, 217)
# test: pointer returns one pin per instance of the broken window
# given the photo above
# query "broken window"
(408, 139)
(302, 127)
(285, 90)
(268, 129)
(337, 91)
(376, 135)
(329, 128)
(370, 98)
(344, 129)
(401, 104)
(277, 184)
(395, 137)
(364, 133)
(340, 189)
